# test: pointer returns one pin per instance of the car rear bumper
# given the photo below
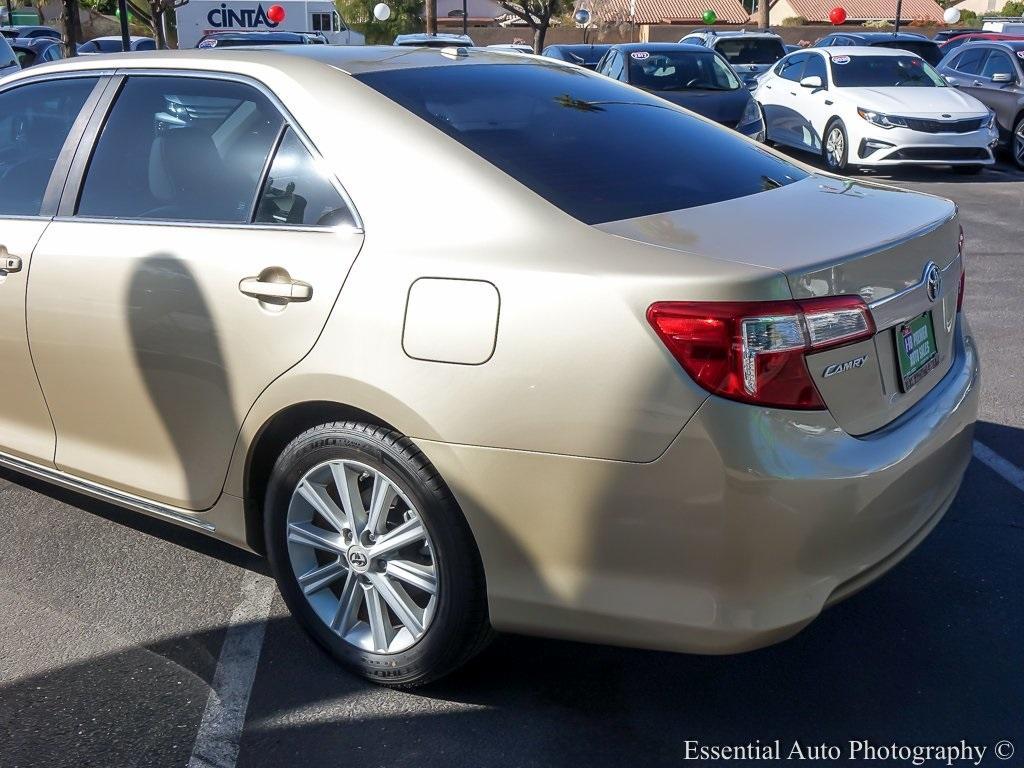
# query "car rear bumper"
(739, 535)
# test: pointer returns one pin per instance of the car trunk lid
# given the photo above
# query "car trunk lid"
(838, 237)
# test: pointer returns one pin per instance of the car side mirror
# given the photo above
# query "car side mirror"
(814, 81)
(1002, 77)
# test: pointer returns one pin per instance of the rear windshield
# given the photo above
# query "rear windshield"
(680, 71)
(884, 72)
(597, 149)
(926, 49)
(751, 50)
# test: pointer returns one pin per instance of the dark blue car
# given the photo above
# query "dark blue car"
(691, 76)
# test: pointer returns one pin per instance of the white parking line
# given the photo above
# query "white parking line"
(220, 730)
(1014, 475)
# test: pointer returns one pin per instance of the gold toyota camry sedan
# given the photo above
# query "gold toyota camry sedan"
(465, 340)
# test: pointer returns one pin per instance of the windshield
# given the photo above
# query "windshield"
(680, 70)
(592, 146)
(751, 50)
(884, 72)
(926, 49)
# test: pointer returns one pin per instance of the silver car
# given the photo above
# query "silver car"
(654, 385)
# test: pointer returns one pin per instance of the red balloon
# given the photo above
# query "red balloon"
(837, 15)
(275, 13)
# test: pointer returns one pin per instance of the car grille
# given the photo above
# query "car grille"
(938, 154)
(944, 126)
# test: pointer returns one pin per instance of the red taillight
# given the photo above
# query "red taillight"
(754, 351)
(963, 272)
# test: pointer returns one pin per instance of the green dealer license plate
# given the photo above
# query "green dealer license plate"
(915, 349)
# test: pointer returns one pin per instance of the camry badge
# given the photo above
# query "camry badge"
(932, 281)
(849, 365)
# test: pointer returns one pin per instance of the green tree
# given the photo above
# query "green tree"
(405, 17)
(1013, 9)
(537, 14)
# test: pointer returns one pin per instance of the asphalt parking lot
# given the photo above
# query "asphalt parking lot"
(112, 627)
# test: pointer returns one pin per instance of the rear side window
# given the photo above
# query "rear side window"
(297, 192)
(595, 148)
(181, 149)
(35, 121)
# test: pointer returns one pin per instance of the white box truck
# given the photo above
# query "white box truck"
(200, 17)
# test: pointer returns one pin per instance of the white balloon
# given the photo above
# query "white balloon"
(951, 16)
(381, 12)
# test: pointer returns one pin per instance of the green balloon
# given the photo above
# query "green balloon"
(709, 17)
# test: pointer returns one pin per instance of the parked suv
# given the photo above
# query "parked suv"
(750, 54)
(600, 408)
(993, 73)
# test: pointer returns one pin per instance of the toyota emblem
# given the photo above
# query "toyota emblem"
(932, 282)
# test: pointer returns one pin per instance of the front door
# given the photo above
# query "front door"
(36, 121)
(199, 261)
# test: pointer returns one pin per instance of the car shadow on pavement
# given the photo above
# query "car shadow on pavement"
(928, 655)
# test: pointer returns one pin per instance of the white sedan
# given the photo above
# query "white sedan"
(874, 107)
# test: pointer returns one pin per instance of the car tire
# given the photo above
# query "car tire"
(1017, 142)
(835, 149)
(443, 628)
(968, 170)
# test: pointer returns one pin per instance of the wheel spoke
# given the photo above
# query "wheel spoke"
(384, 493)
(422, 576)
(408, 613)
(316, 496)
(318, 578)
(313, 536)
(381, 630)
(348, 605)
(407, 533)
(347, 481)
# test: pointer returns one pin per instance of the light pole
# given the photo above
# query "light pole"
(122, 11)
(465, 20)
(10, 13)
(899, 8)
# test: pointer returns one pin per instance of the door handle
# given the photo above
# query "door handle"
(276, 292)
(9, 263)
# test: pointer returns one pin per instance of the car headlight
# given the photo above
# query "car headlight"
(751, 114)
(882, 121)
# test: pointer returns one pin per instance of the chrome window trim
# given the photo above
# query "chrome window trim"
(339, 228)
(289, 121)
(913, 300)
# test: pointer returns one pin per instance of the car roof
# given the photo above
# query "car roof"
(857, 50)
(262, 35)
(656, 47)
(575, 47)
(350, 59)
(418, 36)
(132, 38)
(733, 33)
(29, 42)
(873, 36)
(1009, 45)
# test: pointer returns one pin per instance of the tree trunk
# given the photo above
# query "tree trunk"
(539, 33)
(156, 10)
(762, 14)
(72, 25)
(431, 17)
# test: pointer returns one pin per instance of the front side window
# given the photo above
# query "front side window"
(680, 70)
(298, 192)
(884, 72)
(181, 149)
(815, 67)
(35, 121)
(596, 149)
(998, 63)
(970, 61)
(751, 50)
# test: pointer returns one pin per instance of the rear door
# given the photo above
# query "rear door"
(39, 128)
(198, 251)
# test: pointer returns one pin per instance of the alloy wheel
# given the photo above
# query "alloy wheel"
(834, 148)
(1018, 144)
(362, 556)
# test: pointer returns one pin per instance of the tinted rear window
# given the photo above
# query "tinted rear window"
(751, 50)
(597, 149)
(926, 49)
